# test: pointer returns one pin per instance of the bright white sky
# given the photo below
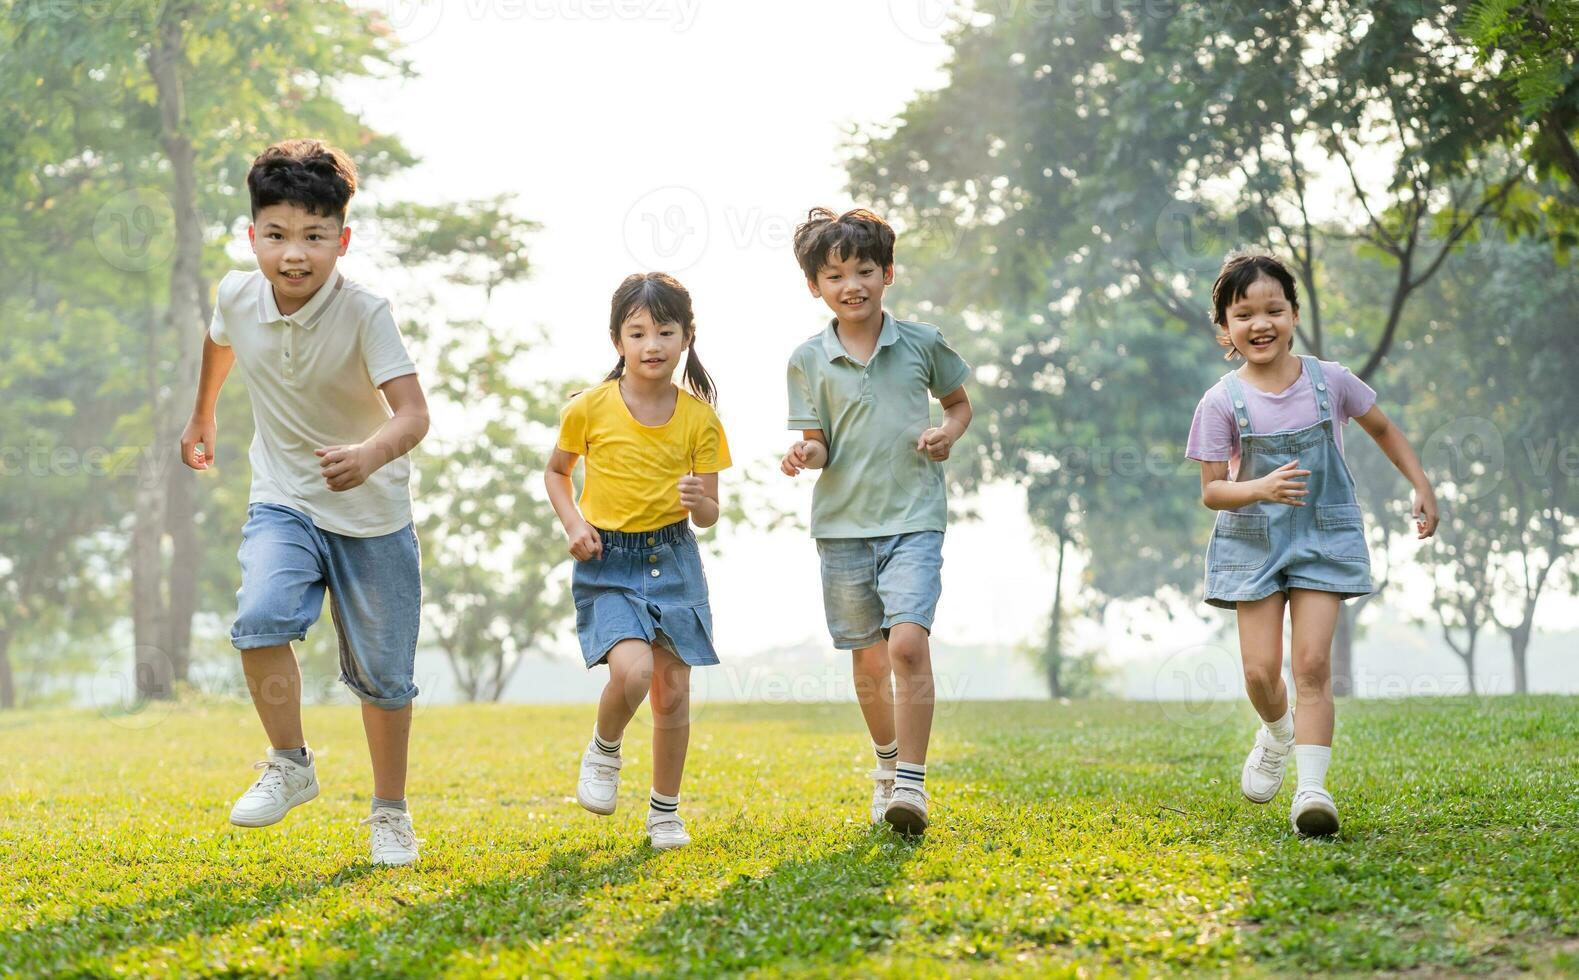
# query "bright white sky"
(690, 137)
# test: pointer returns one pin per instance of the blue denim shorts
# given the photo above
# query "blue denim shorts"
(1275, 548)
(871, 584)
(375, 597)
(648, 585)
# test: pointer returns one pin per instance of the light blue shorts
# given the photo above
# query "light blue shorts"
(375, 597)
(649, 586)
(871, 584)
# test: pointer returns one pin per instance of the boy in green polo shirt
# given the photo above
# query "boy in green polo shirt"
(859, 392)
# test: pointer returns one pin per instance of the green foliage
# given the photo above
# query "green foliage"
(1103, 837)
(494, 558)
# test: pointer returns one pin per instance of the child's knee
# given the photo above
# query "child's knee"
(908, 648)
(871, 660)
(1262, 676)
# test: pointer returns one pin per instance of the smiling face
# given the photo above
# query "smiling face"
(853, 288)
(1260, 323)
(651, 350)
(296, 250)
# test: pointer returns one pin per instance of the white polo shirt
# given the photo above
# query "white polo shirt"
(313, 377)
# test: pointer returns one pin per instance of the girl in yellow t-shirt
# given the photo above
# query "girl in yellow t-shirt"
(653, 456)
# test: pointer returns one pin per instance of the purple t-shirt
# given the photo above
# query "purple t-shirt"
(1214, 432)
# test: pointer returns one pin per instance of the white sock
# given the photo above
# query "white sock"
(663, 806)
(1283, 728)
(912, 774)
(887, 755)
(1310, 761)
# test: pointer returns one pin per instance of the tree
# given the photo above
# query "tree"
(1079, 160)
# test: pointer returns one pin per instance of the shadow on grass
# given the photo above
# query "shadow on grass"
(104, 931)
(821, 911)
(416, 939)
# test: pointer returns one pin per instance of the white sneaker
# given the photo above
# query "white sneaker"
(882, 792)
(392, 841)
(1314, 814)
(907, 809)
(598, 788)
(666, 831)
(283, 785)
(1262, 775)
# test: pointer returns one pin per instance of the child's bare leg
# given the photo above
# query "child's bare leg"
(671, 719)
(388, 735)
(630, 677)
(1261, 651)
(275, 682)
(874, 689)
(910, 656)
(1315, 618)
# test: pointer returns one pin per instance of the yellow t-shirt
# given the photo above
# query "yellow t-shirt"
(633, 470)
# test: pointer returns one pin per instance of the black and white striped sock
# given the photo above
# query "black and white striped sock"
(662, 806)
(911, 774)
(887, 755)
(604, 745)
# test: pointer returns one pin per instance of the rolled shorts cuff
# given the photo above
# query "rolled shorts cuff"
(920, 619)
(387, 703)
(256, 641)
(871, 640)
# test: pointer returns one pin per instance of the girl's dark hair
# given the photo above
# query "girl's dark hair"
(1240, 271)
(666, 301)
(854, 234)
(304, 172)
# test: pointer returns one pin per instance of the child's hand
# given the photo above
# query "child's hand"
(798, 458)
(345, 467)
(936, 443)
(586, 543)
(691, 495)
(1424, 511)
(198, 432)
(1281, 486)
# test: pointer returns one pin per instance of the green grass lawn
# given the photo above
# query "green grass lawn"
(1104, 838)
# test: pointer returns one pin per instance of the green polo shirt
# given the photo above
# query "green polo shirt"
(875, 483)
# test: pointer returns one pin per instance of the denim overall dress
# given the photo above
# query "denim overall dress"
(1266, 547)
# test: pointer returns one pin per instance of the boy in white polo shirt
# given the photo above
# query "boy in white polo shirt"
(337, 407)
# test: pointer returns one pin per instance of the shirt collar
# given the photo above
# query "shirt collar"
(834, 348)
(308, 316)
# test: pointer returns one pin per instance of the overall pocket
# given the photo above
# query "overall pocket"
(1240, 542)
(1340, 532)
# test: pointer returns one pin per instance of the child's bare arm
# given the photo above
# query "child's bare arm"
(699, 495)
(345, 467)
(810, 453)
(1284, 485)
(202, 427)
(939, 441)
(1395, 445)
(584, 540)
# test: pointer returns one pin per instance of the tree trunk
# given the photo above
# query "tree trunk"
(7, 681)
(1519, 647)
(184, 321)
(1053, 656)
(1343, 651)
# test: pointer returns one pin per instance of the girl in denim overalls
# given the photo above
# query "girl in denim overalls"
(653, 454)
(1269, 438)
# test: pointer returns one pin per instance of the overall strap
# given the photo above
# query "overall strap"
(1239, 403)
(1318, 387)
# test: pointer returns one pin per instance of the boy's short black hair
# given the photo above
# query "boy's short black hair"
(1239, 272)
(859, 234)
(306, 172)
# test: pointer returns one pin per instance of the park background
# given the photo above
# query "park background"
(1066, 176)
